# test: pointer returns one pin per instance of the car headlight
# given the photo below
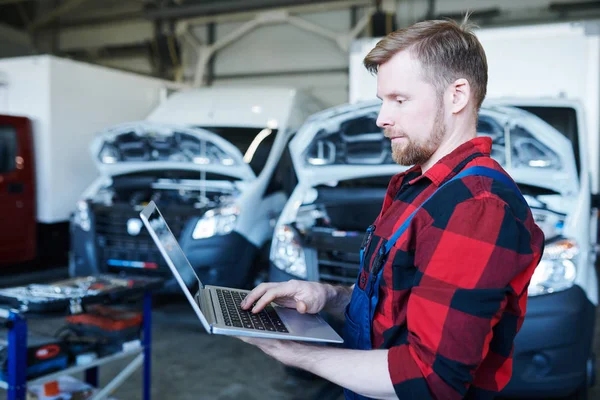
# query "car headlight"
(557, 268)
(109, 154)
(309, 215)
(287, 253)
(82, 216)
(550, 222)
(219, 221)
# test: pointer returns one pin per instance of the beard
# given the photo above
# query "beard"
(411, 152)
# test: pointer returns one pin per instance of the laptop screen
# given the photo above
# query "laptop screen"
(171, 249)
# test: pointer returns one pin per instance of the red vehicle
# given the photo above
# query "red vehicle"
(18, 230)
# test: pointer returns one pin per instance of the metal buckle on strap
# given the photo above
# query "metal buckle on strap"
(379, 260)
(378, 263)
(367, 237)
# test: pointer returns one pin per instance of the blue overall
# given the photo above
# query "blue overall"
(361, 309)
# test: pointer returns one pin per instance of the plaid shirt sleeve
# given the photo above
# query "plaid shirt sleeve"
(474, 261)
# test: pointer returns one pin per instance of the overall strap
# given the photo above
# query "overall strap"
(472, 171)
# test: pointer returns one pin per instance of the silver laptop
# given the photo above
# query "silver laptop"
(218, 308)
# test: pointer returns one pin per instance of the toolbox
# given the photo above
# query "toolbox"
(45, 354)
(102, 330)
(71, 295)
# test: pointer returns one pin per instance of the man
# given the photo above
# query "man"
(442, 293)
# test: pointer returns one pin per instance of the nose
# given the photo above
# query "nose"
(384, 119)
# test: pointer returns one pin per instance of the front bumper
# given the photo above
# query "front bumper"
(220, 260)
(554, 345)
(553, 350)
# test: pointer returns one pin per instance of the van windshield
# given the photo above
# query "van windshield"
(564, 120)
(254, 143)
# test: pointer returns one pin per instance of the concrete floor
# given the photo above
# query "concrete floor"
(189, 364)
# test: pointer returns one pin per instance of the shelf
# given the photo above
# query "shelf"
(137, 355)
(79, 368)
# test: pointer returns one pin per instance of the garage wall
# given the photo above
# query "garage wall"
(280, 54)
(14, 43)
(139, 63)
(287, 55)
(93, 38)
(331, 89)
(284, 48)
(105, 35)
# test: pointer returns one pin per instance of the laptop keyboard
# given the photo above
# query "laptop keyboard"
(266, 320)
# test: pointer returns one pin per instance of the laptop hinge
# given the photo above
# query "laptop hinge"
(203, 299)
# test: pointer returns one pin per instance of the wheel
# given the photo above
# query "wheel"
(581, 393)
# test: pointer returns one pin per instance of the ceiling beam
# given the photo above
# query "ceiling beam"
(5, 2)
(23, 14)
(487, 13)
(224, 7)
(580, 6)
(130, 16)
(58, 12)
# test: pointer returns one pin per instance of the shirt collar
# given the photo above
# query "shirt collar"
(447, 166)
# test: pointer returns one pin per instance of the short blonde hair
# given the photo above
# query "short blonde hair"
(448, 51)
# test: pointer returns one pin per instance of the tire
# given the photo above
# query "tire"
(581, 393)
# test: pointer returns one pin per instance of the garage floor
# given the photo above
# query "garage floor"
(189, 364)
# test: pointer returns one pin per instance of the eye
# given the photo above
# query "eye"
(399, 101)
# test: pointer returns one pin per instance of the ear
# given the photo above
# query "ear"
(460, 92)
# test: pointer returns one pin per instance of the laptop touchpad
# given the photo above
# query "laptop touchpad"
(300, 324)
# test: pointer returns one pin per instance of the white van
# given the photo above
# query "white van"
(343, 164)
(214, 160)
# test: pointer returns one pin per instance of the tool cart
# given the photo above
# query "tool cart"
(92, 307)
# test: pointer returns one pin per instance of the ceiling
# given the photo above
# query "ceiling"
(41, 21)
(34, 15)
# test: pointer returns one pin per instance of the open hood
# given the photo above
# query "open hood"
(565, 115)
(342, 143)
(345, 143)
(145, 146)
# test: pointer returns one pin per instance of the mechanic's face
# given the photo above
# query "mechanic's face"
(412, 113)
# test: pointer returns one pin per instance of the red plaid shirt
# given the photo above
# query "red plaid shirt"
(454, 287)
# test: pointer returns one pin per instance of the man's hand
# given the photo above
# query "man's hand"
(284, 351)
(306, 297)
